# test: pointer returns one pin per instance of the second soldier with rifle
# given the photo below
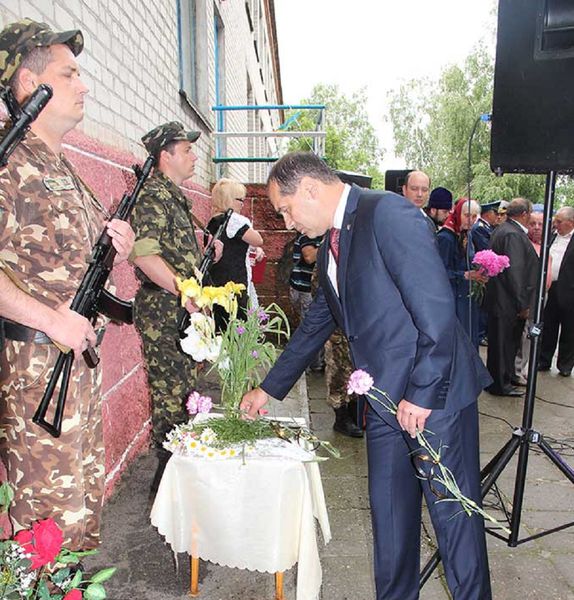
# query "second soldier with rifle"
(166, 247)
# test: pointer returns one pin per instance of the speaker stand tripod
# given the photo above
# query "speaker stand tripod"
(523, 437)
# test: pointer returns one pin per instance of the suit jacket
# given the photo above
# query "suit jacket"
(396, 307)
(565, 281)
(514, 289)
(480, 234)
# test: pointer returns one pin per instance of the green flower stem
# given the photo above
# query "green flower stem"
(446, 477)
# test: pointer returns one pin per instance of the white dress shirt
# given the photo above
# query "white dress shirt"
(557, 251)
(337, 224)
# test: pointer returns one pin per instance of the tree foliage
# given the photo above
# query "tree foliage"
(433, 122)
(351, 143)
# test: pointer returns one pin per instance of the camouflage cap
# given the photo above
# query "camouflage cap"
(161, 135)
(18, 39)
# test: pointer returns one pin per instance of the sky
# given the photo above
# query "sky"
(377, 44)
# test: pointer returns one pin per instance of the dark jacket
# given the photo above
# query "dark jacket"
(514, 289)
(565, 281)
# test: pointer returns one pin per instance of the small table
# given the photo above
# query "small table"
(256, 514)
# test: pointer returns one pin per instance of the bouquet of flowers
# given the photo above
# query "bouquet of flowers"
(35, 566)
(490, 264)
(240, 355)
(244, 350)
(435, 472)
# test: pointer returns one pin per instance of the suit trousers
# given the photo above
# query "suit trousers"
(396, 496)
(558, 329)
(504, 336)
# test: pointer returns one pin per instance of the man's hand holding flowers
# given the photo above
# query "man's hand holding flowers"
(412, 418)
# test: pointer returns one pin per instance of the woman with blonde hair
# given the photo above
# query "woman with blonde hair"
(238, 236)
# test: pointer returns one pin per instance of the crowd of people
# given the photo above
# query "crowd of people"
(501, 320)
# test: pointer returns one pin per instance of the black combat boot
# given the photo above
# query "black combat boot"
(345, 424)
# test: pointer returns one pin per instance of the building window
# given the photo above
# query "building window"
(187, 33)
(193, 54)
(219, 46)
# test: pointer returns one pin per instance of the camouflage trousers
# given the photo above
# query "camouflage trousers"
(338, 369)
(171, 374)
(63, 477)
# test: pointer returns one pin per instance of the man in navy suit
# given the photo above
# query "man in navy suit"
(392, 299)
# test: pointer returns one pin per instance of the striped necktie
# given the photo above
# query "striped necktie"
(334, 243)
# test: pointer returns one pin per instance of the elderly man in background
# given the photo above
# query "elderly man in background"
(535, 236)
(509, 296)
(559, 310)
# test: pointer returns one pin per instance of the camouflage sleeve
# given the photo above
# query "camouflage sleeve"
(149, 221)
(8, 221)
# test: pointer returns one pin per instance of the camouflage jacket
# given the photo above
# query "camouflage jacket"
(162, 223)
(49, 222)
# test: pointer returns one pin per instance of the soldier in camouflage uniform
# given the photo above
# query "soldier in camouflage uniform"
(166, 246)
(338, 369)
(49, 221)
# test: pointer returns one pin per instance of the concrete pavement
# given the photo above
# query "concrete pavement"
(542, 568)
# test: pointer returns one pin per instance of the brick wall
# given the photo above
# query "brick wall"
(272, 228)
(130, 64)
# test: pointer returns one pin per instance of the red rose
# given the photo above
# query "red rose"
(25, 538)
(74, 594)
(48, 540)
(43, 543)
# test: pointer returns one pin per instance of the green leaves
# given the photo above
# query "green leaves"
(95, 591)
(103, 575)
(6, 496)
(352, 143)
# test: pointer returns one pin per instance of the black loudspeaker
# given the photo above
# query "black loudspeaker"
(533, 104)
(356, 178)
(394, 180)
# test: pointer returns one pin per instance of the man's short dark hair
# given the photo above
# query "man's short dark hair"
(518, 207)
(36, 61)
(288, 171)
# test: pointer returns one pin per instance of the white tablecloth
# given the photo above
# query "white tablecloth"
(256, 515)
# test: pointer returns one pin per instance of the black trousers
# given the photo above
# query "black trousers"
(504, 336)
(558, 330)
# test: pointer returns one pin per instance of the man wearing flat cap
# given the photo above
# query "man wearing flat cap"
(49, 222)
(166, 247)
(438, 207)
(480, 236)
(484, 226)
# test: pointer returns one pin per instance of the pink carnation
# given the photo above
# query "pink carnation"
(196, 403)
(360, 382)
(490, 263)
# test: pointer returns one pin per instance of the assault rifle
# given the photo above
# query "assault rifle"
(90, 300)
(204, 266)
(21, 117)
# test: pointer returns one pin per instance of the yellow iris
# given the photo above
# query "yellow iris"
(189, 288)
